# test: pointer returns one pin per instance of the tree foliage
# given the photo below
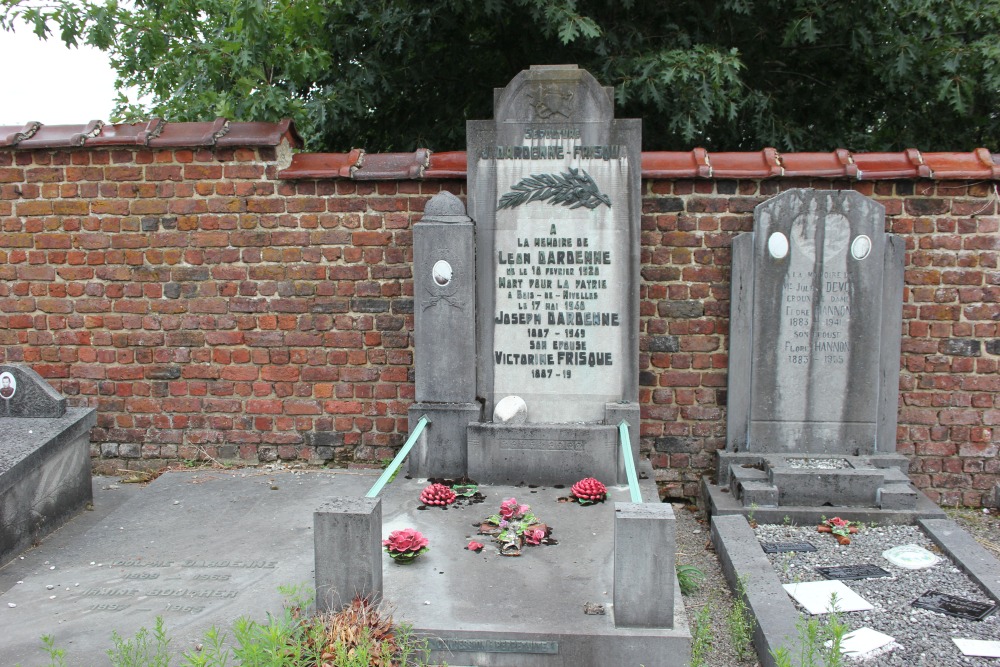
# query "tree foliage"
(398, 74)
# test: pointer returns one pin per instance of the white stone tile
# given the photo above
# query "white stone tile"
(816, 596)
(978, 647)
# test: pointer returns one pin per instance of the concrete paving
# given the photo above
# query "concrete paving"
(202, 548)
(199, 548)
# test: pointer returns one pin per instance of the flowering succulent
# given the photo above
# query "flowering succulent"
(588, 491)
(840, 526)
(405, 545)
(437, 494)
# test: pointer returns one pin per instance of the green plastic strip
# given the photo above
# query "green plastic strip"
(633, 479)
(398, 461)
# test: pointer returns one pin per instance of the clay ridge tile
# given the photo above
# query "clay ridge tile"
(260, 134)
(392, 166)
(61, 136)
(12, 135)
(323, 165)
(185, 135)
(128, 134)
(451, 164)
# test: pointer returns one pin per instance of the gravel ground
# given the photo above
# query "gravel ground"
(694, 548)
(924, 636)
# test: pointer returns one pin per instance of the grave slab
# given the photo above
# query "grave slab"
(978, 647)
(497, 611)
(198, 548)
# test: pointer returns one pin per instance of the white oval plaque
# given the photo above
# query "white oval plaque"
(441, 272)
(861, 246)
(777, 245)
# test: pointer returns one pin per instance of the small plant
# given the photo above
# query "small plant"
(142, 650)
(787, 520)
(57, 656)
(689, 577)
(701, 635)
(740, 623)
(589, 491)
(751, 519)
(403, 546)
(465, 490)
(819, 642)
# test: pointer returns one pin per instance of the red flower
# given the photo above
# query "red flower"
(589, 490)
(534, 536)
(404, 541)
(437, 494)
(475, 546)
(509, 508)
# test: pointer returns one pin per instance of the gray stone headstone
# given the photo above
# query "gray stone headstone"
(815, 327)
(554, 189)
(24, 393)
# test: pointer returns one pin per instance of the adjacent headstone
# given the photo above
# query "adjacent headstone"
(44, 459)
(814, 347)
(815, 337)
(554, 185)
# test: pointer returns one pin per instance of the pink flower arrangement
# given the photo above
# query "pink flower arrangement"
(534, 535)
(405, 545)
(588, 491)
(437, 494)
(510, 508)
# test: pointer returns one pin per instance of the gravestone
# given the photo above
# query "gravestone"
(816, 315)
(44, 459)
(554, 184)
(526, 318)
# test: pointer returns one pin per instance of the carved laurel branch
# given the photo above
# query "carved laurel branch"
(573, 188)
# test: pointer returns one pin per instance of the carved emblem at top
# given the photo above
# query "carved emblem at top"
(551, 102)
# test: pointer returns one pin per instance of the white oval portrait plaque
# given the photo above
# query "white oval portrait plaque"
(441, 272)
(860, 247)
(777, 245)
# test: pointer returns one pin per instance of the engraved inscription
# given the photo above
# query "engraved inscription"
(492, 645)
(542, 444)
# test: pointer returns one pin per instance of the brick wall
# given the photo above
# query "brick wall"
(208, 308)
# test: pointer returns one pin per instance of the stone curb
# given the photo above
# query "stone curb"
(981, 566)
(741, 556)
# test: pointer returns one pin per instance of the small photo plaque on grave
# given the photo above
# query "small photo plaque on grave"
(786, 547)
(853, 572)
(954, 606)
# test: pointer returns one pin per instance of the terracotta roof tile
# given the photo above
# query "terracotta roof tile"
(61, 136)
(12, 135)
(128, 134)
(446, 165)
(259, 134)
(155, 133)
(392, 166)
(325, 165)
(422, 164)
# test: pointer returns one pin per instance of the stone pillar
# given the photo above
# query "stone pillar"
(444, 319)
(644, 565)
(347, 537)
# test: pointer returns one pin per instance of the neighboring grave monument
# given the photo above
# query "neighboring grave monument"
(814, 348)
(44, 459)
